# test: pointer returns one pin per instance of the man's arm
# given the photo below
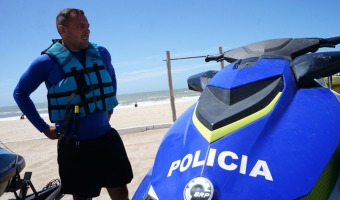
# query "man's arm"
(109, 67)
(28, 83)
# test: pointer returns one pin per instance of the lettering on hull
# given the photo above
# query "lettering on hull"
(225, 160)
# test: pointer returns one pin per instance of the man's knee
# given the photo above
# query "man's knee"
(120, 193)
(76, 197)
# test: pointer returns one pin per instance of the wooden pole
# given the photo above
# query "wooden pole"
(222, 61)
(172, 98)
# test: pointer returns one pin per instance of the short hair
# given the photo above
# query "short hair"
(64, 15)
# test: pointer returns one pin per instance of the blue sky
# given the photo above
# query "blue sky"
(139, 32)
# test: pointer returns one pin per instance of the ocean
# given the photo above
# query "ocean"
(125, 100)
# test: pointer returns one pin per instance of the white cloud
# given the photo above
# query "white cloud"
(162, 72)
(141, 74)
(132, 71)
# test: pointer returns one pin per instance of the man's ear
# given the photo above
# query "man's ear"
(61, 29)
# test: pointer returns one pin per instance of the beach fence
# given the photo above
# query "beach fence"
(171, 91)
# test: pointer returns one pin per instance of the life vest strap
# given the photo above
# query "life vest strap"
(82, 103)
(95, 68)
(68, 93)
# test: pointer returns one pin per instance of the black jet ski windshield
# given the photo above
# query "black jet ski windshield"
(227, 106)
(286, 47)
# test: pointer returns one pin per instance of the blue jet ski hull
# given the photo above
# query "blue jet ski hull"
(264, 127)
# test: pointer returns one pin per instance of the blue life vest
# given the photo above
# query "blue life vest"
(88, 87)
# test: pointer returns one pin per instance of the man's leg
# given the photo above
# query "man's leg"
(75, 197)
(119, 193)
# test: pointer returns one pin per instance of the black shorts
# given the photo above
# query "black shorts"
(86, 167)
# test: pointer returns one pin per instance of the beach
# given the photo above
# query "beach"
(141, 128)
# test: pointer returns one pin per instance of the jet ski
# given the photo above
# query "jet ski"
(266, 126)
(10, 165)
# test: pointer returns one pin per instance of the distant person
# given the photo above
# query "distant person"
(91, 154)
(22, 116)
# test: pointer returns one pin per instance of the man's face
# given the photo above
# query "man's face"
(75, 33)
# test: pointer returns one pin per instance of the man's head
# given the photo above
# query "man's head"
(73, 28)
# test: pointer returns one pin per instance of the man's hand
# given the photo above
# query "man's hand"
(51, 132)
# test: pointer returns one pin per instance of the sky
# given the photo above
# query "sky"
(138, 33)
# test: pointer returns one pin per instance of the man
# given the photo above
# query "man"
(81, 85)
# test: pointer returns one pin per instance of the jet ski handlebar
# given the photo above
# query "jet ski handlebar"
(288, 47)
(330, 42)
(217, 57)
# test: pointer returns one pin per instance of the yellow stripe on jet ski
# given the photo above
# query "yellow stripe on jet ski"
(214, 135)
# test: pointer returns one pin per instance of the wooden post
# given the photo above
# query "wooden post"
(172, 98)
(222, 61)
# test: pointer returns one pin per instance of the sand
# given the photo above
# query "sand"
(141, 128)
